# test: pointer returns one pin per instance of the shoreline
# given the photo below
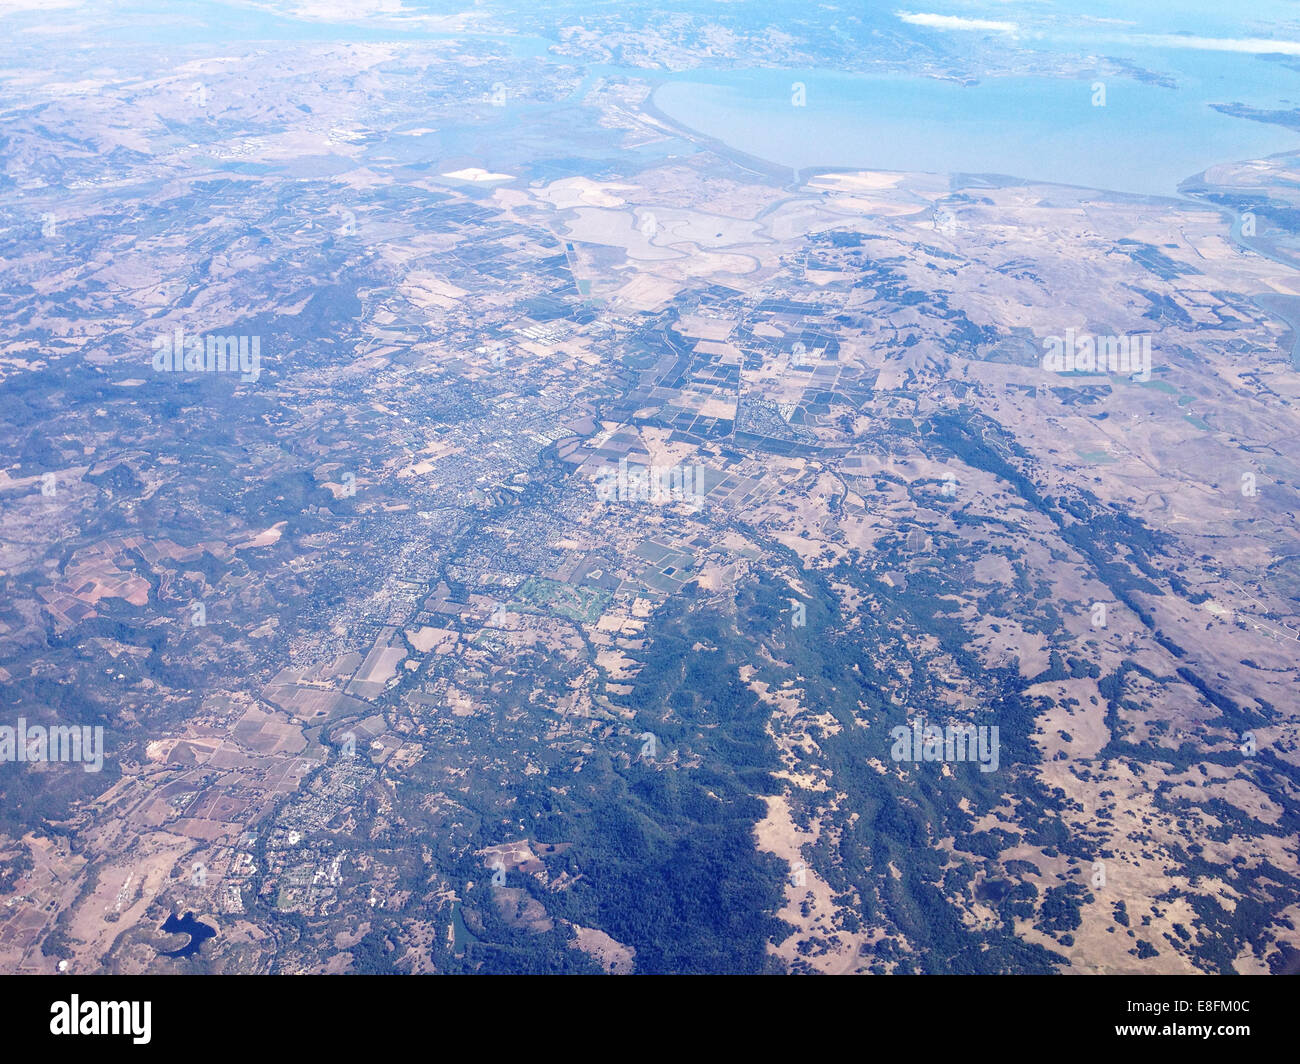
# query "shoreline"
(960, 179)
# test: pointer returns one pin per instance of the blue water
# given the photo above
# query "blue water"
(1146, 139)
(198, 931)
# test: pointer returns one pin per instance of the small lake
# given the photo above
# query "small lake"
(198, 931)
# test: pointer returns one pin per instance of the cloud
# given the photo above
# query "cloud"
(346, 10)
(953, 22)
(1251, 45)
(1246, 45)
